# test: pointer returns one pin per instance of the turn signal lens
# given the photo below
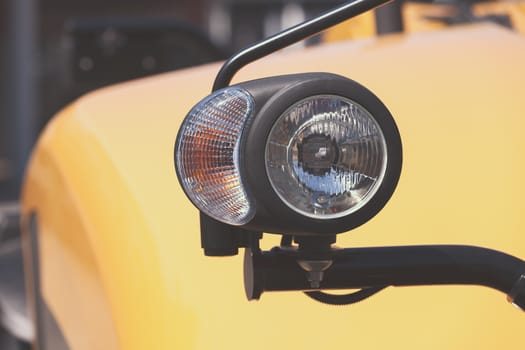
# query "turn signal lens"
(326, 156)
(208, 155)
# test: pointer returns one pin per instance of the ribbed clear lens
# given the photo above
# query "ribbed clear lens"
(326, 157)
(208, 159)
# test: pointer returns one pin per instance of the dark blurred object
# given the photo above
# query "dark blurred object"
(15, 322)
(19, 91)
(109, 50)
(96, 52)
(463, 14)
(250, 20)
(389, 18)
(9, 221)
(42, 71)
(16, 330)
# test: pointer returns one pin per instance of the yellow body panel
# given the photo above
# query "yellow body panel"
(420, 17)
(120, 250)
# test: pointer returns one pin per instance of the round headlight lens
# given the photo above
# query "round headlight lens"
(326, 156)
(208, 156)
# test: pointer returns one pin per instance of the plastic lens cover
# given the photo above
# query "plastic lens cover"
(326, 157)
(208, 155)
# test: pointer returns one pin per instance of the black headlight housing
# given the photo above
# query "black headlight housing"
(339, 168)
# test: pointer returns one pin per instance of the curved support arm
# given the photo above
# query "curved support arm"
(278, 269)
(291, 36)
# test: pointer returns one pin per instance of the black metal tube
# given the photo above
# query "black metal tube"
(277, 270)
(291, 36)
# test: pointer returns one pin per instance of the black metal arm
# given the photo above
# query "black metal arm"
(279, 270)
(291, 36)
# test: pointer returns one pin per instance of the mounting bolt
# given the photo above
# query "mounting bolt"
(315, 270)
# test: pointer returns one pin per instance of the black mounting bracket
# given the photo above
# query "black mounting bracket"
(283, 269)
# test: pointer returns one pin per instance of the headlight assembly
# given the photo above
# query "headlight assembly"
(303, 154)
(309, 156)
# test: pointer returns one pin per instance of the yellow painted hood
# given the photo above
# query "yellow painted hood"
(121, 260)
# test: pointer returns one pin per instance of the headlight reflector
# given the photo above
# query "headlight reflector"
(326, 156)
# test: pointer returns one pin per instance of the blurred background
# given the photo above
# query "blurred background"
(52, 51)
